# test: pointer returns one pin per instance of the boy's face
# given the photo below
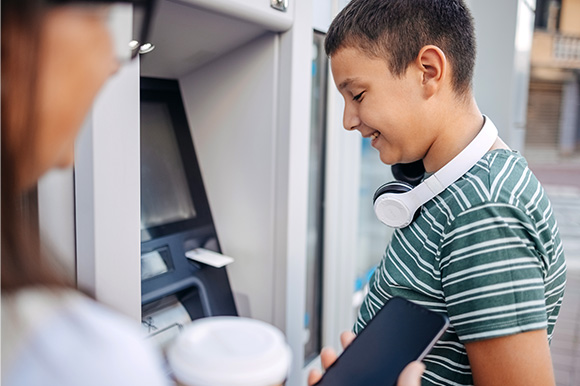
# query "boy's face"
(393, 111)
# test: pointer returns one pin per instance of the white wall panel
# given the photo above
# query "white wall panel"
(503, 32)
(231, 105)
(107, 183)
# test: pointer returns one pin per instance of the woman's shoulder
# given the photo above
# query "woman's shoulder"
(66, 338)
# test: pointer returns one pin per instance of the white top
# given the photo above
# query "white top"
(62, 338)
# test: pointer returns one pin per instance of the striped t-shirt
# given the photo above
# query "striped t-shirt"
(486, 252)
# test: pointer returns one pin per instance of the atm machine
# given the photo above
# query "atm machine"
(183, 277)
(243, 69)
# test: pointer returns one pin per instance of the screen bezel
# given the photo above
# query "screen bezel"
(167, 92)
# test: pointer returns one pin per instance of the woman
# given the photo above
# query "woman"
(56, 55)
(55, 58)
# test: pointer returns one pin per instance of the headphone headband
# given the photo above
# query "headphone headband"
(397, 209)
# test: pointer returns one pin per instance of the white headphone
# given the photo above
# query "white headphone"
(397, 203)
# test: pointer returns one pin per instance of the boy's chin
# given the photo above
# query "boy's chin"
(387, 159)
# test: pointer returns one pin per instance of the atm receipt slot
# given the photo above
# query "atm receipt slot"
(208, 257)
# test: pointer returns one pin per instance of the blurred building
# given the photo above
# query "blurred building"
(554, 92)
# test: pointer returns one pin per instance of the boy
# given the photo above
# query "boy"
(486, 250)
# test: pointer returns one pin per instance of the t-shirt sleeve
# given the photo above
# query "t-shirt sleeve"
(491, 274)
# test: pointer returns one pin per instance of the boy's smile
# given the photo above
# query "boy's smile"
(390, 110)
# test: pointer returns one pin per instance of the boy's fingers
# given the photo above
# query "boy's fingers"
(411, 375)
(346, 338)
(314, 377)
(327, 357)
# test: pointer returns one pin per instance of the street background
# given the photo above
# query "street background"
(560, 177)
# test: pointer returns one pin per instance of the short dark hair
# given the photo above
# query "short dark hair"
(397, 30)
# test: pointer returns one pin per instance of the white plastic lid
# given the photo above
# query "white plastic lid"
(230, 351)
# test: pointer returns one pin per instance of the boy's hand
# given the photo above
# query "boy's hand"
(328, 357)
(411, 375)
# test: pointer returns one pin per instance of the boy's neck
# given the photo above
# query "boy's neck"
(457, 126)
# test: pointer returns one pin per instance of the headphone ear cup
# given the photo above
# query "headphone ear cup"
(393, 187)
(411, 173)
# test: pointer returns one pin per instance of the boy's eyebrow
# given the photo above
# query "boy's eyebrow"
(345, 83)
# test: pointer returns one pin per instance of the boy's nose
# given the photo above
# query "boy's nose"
(350, 119)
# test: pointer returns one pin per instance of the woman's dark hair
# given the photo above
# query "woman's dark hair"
(23, 260)
(396, 30)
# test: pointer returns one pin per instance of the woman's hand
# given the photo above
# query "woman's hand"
(411, 375)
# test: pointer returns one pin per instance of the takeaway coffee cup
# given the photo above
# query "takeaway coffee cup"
(229, 351)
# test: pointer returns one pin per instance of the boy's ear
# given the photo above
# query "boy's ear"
(432, 63)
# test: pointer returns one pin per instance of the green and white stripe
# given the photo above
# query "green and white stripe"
(487, 253)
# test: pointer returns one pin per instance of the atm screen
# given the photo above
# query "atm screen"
(165, 196)
(173, 197)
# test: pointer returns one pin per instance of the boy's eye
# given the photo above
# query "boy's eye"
(357, 97)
